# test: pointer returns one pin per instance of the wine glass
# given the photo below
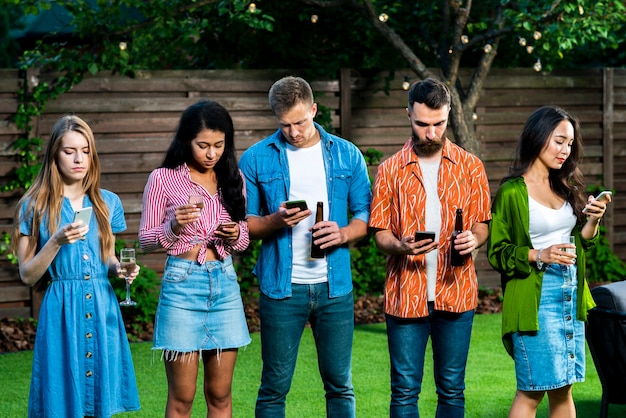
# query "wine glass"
(127, 266)
(195, 198)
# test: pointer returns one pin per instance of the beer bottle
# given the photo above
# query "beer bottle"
(457, 259)
(316, 251)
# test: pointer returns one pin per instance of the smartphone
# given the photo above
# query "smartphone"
(422, 235)
(83, 214)
(223, 225)
(296, 204)
(602, 197)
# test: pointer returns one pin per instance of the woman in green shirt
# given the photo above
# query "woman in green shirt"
(546, 296)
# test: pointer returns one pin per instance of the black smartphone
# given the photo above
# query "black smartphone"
(422, 235)
(301, 204)
(223, 225)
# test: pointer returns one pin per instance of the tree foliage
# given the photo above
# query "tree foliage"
(454, 32)
(433, 38)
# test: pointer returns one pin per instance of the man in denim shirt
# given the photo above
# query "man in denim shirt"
(301, 161)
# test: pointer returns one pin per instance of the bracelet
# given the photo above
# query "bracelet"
(540, 264)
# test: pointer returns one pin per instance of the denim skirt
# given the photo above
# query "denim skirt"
(200, 308)
(554, 356)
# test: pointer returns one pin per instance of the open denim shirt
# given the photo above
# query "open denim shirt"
(266, 171)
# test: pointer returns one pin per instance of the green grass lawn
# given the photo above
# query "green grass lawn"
(490, 380)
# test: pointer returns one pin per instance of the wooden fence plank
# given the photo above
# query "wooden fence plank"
(134, 121)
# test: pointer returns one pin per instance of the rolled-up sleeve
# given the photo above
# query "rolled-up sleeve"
(154, 232)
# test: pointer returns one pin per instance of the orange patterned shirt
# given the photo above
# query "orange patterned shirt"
(399, 204)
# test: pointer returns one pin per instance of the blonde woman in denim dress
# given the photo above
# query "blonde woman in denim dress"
(82, 364)
(546, 296)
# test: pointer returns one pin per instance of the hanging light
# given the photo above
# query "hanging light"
(383, 17)
(406, 84)
(537, 65)
(314, 18)
(522, 41)
(464, 39)
(252, 8)
(123, 46)
(537, 35)
(487, 48)
(530, 49)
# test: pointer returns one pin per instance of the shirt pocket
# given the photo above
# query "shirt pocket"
(341, 184)
(272, 187)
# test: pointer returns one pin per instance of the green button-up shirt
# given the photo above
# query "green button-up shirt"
(507, 250)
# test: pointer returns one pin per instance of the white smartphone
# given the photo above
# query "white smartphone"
(83, 214)
(602, 197)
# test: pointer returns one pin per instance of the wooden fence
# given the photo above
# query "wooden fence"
(134, 119)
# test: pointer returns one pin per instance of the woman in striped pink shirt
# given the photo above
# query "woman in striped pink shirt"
(200, 315)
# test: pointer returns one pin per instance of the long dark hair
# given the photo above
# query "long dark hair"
(203, 115)
(566, 182)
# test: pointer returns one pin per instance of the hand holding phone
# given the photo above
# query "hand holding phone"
(226, 225)
(603, 197)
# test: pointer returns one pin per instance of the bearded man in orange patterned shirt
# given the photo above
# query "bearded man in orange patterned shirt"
(419, 189)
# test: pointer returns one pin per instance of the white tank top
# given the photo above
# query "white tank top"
(548, 225)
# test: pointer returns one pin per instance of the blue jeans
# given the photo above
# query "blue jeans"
(282, 324)
(450, 334)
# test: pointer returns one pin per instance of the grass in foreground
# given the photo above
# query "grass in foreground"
(490, 380)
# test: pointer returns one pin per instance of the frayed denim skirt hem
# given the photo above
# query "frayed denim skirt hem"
(554, 356)
(200, 308)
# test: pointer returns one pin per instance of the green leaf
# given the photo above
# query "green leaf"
(93, 68)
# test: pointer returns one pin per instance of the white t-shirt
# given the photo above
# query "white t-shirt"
(430, 173)
(307, 182)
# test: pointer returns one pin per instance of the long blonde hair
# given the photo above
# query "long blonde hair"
(45, 196)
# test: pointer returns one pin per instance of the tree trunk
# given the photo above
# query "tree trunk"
(461, 122)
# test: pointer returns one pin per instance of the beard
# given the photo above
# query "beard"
(426, 148)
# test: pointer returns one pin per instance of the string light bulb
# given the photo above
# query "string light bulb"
(474, 116)
(464, 39)
(537, 35)
(487, 48)
(314, 18)
(406, 84)
(530, 49)
(252, 8)
(522, 41)
(123, 46)
(537, 65)
(383, 17)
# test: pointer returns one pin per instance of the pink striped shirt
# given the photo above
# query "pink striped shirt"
(168, 189)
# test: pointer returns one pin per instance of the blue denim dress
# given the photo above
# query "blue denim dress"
(82, 364)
